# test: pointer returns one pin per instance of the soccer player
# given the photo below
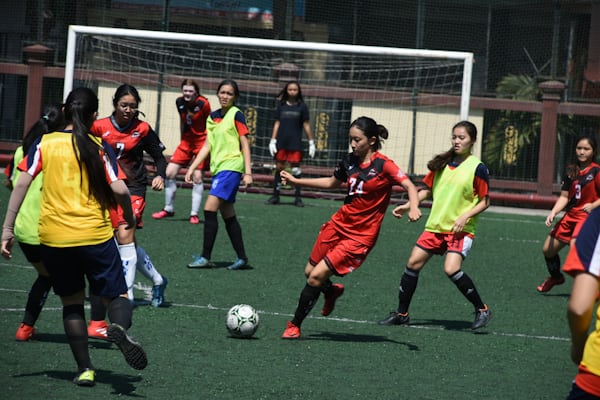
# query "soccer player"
(130, 137)
(81, 184)
(291, 117)
(193, 110)
(579, 195)
(26, 223)
(347, 238)
(230, 165)
(582, 264)
(458, 184)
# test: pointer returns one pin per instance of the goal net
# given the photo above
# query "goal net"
(416, 94)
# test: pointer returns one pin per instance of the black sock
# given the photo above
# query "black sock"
(98, 309)
(297, 189)
(408, 285)
(77, 336)
(277, 184)
(553, 265)
(308, 298)
(326, 286)
(467, 288)
(211, 227)
(234, 230)
(36, 299)
(120, 311)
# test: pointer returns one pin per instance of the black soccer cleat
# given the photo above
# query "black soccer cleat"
(395, 318)
(132, 350)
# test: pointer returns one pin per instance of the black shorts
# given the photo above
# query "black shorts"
(100, 263)
(33, 252)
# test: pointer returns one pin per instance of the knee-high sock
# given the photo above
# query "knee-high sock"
(129, 260)
(467, 288)
(211, 227)
(234, 230)
(297, 190)
(36, 299)
(308, 298)
(408, 286)
(120, 311)
(146, 267)
(197, 191)
(170, 189)
(277, 183)
(98, 309)
(553, 265)
(77, 336)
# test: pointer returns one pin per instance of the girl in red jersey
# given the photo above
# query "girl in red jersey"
(193, 110)
(130, 138)
(458, 184)
(81, 183)
(579, 195)
(347, 238)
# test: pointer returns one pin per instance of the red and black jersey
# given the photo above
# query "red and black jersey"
(193, 118)
(129, 143)
(368, 195)
(585, 188)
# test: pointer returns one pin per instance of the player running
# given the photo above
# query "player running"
(347, 238)
(579, 195)
(458, 184)
(193, 110)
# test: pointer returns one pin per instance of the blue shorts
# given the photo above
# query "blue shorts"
(101, 264)
(225, 185)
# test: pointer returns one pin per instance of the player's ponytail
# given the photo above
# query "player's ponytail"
(80, 110)
(51, 120)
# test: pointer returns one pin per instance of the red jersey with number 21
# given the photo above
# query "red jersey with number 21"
(368, 195)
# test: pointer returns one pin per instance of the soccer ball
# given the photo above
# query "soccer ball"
(242, 321)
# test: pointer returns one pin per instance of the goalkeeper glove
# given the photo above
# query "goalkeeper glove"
(311, 148)
(273, 147)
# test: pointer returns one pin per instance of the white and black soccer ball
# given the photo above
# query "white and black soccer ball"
(242, 321)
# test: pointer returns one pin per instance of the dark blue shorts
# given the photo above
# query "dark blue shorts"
(100, 263)
(33, 252)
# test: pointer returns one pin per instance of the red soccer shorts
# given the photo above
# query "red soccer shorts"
(441, 243)
(341, 253)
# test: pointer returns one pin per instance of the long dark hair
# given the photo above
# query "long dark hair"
(573, 169)
(283, 95)
(51, 120)
(371, 129)
(80, 109)
(440, 161)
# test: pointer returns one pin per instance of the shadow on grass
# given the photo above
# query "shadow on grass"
(121, 384)
(450, 325)
(351, 337)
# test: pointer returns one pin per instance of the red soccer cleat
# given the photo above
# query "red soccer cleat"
(162, 214)
(97, 330)
(291, 331)
(337, 289)
(25, 333)
(549, 283)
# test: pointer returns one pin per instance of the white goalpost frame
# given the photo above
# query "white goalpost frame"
(415, 93)
(467, 57)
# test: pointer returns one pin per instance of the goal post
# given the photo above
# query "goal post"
(417, 94)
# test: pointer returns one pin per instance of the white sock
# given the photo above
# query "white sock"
(197, 191)
(170, 189)
(145, 266)
(129, 260)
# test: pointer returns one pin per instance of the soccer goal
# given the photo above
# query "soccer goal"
(416, 94)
